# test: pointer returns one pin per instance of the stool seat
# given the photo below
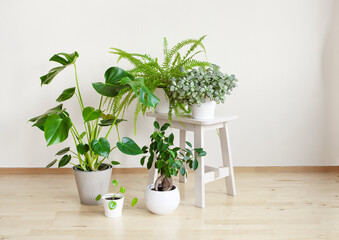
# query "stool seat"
(203, 174)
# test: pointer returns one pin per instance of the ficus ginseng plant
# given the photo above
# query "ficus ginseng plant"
(168, 159)
(112, 204)
(91, 149)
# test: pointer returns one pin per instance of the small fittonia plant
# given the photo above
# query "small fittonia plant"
(91, 149)
(157, 75)
(199, 84)
(115, 196)
(169, 160)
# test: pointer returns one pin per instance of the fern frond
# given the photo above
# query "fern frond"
(165, 46)
(194, 46)
(195, 63)
(177, 47)
(136, 113)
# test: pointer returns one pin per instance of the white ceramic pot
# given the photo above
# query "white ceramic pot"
(91, 184)
(163, 105)
(161, 202)
(205, 111)
(113, 208)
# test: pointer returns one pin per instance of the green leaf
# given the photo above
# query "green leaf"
(49, 112)
(203, 153)
(150, 162)
(101, 147)
(179, 163)
(51, 163)
(108, 90)
(146, 97)
(171, 139)
(109, 122)
(115, 183)
(189, 144)
(90, 114)
(64, 160)
(65, 60)
(40, 123)
(115, 74)
(66, 94)
(165, 126)
(98, 197)
(134, 201)
(82, 148)
(82, 135)
(122, 190)
(182, 170)
(56, 129)
(156, 124)
(189, 151)
(195, 164)
(128, 146)
(142, 160)
(63, 151)
(115, 162)
(112, 205)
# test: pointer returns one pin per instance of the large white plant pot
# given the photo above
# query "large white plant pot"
(205, 111)
(91, 184)
(163, 105)
(116, 210)
(161, 202)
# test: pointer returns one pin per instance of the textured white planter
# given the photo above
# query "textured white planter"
(161, 203)
(116, 205)
(163, 105)
(205, 111)
(91, 184)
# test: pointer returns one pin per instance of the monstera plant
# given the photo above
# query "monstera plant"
(90, 149)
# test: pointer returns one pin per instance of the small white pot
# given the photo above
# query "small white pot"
(205, 111)
(163, 105)
(117, 205)
(161, 202)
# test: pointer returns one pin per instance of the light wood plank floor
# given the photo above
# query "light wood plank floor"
(268, 206)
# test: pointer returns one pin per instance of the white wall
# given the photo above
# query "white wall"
(282, 52)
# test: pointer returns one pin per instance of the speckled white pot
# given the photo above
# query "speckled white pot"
(161, 203)
(91, 184)
(117, 211)
(205, 111)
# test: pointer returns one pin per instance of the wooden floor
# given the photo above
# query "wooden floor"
(268, 206)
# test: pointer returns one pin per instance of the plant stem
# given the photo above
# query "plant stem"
(77, 82)
(116, 117)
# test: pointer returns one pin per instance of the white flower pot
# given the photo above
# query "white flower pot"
(205, 111)
(161, 202)
(113, 208)
(163, 105)
(91, 184)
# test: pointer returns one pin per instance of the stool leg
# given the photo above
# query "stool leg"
(182, 179)
(200, 172)
(227, 159)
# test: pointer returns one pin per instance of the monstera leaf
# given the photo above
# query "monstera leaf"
(145, 95)
(65, 59)
(66, 94)
(56, 129)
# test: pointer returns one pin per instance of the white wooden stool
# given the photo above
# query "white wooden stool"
(204, 174)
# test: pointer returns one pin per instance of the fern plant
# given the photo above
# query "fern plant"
(157, 75)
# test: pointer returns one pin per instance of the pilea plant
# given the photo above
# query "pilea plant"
(158, 75)
(91, 149)
(169, 160)
(112, 204)
(198, 84)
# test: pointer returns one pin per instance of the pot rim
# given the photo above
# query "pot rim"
(111, 195)
(77, 170)
(152, 186)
